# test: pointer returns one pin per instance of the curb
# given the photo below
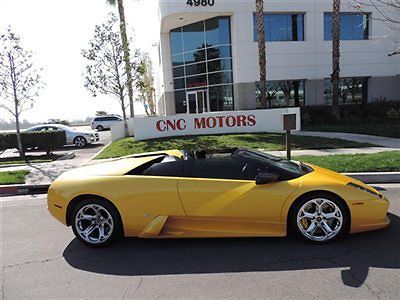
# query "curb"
(23, 189)
(369, 178)
(97, 153)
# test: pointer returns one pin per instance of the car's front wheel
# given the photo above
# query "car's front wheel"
(80, 142)
(96, 222)
(100, 128)
(319, 218)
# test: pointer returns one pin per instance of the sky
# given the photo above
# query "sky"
(56, 31)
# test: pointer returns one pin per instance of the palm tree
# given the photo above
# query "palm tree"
(335, 77)
(125, 44)
(261, 51)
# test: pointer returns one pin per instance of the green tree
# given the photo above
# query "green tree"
(20, 82)
(145, 84)
(101, 113)
(125, 45)
(335, 77)
(261, 51)
(105, 70)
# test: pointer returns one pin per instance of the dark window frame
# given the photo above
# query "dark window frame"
(367, 30)
(293, 39)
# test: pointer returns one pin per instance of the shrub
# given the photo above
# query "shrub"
(45, 140)
(371, 112)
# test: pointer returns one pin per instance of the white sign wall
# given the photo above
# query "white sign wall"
(269, 120)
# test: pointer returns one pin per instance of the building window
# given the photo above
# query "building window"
(352, 90)
(281, 27)
(202, 60)
(283, 93)
(353, 26)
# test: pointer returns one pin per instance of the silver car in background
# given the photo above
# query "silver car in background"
(105, 122)
(79, 138)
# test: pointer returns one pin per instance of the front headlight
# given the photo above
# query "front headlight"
(362, 188)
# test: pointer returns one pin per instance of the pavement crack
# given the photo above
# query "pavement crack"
(138, 286)
(124, 296)
(32, 262)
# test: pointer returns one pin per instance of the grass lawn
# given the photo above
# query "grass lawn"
(377, 162)
(13, 177)
(388, 130)
(267, 141)
(29, 158)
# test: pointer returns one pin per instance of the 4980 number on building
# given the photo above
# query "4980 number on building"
(200, 2)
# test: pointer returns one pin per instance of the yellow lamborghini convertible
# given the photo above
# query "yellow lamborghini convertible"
(226, 193)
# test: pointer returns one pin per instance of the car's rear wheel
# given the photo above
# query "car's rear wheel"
(319, 218)
(80, 142)
(96, 223)
(100, 128)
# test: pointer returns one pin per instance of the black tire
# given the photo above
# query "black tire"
(100, 128)
(340, 223)
(78, 226)
(80, 142)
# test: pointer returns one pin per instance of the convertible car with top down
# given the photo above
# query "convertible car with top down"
(225, 193)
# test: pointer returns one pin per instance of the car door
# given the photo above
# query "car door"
(217, 195)
(107, 122)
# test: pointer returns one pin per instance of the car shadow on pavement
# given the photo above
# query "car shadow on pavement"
(132, 256)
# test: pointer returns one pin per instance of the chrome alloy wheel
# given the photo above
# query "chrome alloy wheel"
(80, 142)
(319, 219)
(94, 223)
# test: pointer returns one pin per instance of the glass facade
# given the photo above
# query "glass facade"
(202, 61)
(353, 26)
(283, 93)
(351, 90)
(281, 27)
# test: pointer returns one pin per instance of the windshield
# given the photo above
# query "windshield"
(298, 169)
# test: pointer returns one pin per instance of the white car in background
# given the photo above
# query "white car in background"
(105, 122)
(79, 138)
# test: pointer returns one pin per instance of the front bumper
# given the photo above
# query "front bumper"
(369, 214)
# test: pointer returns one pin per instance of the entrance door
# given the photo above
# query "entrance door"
(197, 102)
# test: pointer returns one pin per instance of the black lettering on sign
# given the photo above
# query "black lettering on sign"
(200, 2)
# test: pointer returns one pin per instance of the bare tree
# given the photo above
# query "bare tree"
(335, 77)
(20, 82)
(125, 46)
(388, 12)
(105, 71)
(145, 84)
(261, 51)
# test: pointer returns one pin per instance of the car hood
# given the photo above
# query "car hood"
(83, 131)
(337, 177)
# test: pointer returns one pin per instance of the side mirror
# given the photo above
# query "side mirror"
(264, 178)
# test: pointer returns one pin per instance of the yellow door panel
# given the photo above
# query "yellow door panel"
(234, 199)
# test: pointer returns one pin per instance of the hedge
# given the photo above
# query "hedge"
(371, 112)
(45, 140)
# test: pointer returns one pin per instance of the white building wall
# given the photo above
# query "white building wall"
(309, 59)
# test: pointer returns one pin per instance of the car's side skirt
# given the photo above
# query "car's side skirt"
(186, 227)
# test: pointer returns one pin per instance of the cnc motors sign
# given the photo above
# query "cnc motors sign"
(213, 123)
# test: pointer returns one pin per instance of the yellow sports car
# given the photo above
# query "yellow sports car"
(226, 193)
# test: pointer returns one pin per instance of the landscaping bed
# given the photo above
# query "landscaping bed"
(344, 163)
(380, 129)
(13, 177)
(29, 159)
(266, 141)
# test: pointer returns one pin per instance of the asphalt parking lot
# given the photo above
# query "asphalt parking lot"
(41, 259)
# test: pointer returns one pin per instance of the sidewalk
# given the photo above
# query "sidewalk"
(360, 138)
(323, 152)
